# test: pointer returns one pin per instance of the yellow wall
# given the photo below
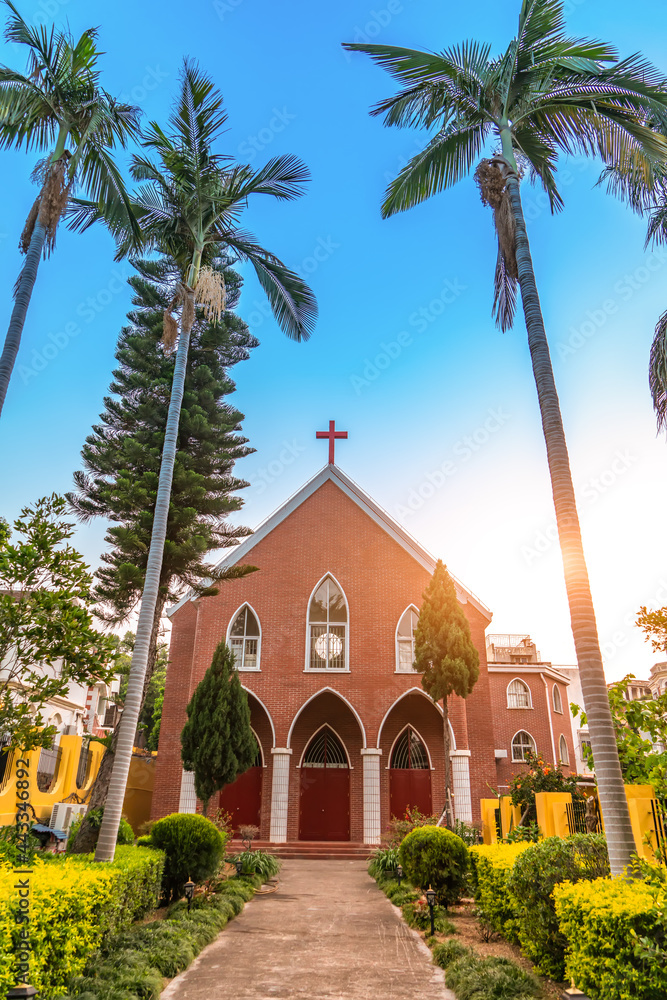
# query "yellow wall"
(139, 792)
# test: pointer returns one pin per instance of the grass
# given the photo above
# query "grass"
(133, 964)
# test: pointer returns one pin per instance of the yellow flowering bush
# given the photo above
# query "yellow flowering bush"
(74, 904)
(491, 866)
(616, 937)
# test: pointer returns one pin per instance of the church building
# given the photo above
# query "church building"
(323, 635)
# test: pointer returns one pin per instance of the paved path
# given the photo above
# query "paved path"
(328, 933)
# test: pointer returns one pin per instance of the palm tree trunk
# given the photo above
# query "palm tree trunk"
(620, 841)
(21, 303)
(87, 835)
(106, 844)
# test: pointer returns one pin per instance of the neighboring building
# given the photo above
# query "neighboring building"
(531, 706)
(657, 681)
(580, 734)
(323, 635)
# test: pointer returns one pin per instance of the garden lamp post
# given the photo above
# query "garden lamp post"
(572, 993)
(238, 864)
(430, 899)
(189, 892)
(18, 992)
(399, 873)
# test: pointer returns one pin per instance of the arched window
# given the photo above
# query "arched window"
(557, 700)
(518, 694)
(244, 639)
(325, 750)
(409, 752)
(327, 627)
(522, 742)
(405, 641)
(563, 751)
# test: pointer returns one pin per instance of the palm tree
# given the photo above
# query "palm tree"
(546, 94)
(645, 190)
(57, 101)
(188, 208)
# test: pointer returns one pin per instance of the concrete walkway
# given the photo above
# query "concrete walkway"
(328, 933)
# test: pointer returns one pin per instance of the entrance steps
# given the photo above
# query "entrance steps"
(314, 849)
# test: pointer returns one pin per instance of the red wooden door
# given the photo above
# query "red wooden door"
(243, 798)
(409, 788)
(324, 812)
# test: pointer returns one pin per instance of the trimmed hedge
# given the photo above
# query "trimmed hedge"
(74, 904)
(531, 884)
(616, 932)
(491, 867)
(432, 855)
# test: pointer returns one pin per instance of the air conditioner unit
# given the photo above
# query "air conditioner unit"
(63, 815)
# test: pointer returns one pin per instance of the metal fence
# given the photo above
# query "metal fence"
(576, 817)
(48, 768)
(85, 764)
(6, 757)
(659, 827)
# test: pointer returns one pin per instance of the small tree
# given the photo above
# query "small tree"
(539, 776)
(445, 656)
(641, 736)
(47, 639)
(217, 742)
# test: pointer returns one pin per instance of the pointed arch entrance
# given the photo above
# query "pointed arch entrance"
(243, 798)
(409, 774)
(324, 792)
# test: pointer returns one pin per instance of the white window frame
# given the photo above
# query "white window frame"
(530, 696)
(398, 670)
(328, 670)
(243, 669)
(557, 707)
(562, 742)
(521, 760)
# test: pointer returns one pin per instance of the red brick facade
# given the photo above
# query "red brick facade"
(331, 529)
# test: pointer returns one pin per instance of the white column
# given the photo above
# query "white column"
(188, 800)
(279, 794)
(461, 784)
(372, 820)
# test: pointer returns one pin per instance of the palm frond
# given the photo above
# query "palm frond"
(658, 372)
(504, 295)
(446, 159)
(283, 177)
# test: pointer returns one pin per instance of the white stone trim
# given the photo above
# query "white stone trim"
(461, 785)
(361, 499)
(436, 705)
(280, 794)
(372, 799)
(187, 802)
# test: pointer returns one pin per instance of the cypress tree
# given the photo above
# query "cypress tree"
(217, 742)
(444, 654)
(121, 459)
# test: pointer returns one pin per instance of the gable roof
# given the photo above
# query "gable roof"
(367, 504)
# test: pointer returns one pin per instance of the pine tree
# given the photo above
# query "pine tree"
(444, 654)
(217, 742)
(122, 456)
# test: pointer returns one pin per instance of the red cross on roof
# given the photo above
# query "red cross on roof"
(331, 434)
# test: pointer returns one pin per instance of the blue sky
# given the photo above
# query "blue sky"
(405, 356)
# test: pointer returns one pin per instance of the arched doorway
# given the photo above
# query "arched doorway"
(324, 792)
(409, 775)
(243, 798)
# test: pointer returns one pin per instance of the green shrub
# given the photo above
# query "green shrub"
(433, 856)
(258, 863)
(383, 862)
(491, 865)
(470, 833)
(473, 978)
(400, 827)
(144, 841)
(617, 938)
(75, 905)
(447, 952)
(194, 848)
(531, 883)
